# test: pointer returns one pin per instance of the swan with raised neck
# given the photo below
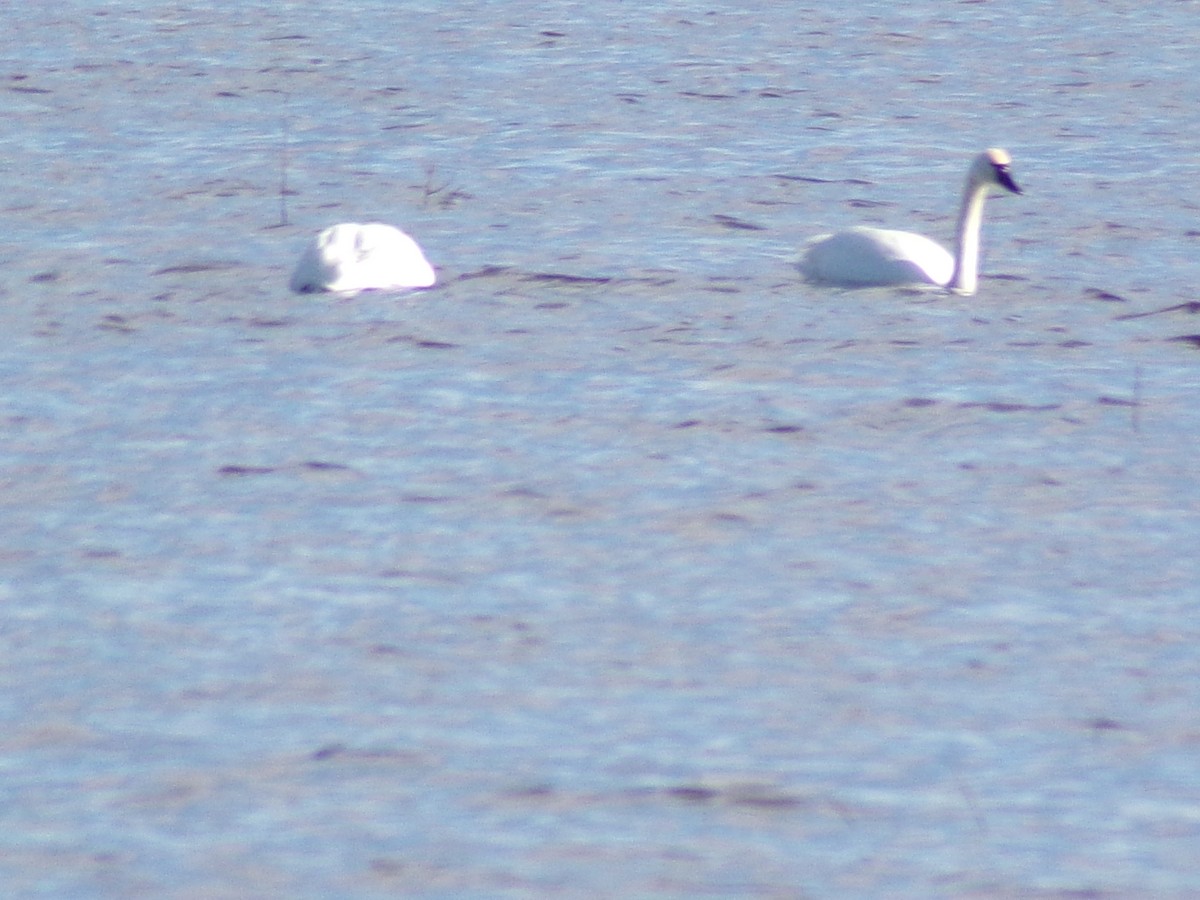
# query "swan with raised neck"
(862, 257)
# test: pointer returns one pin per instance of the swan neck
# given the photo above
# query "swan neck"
(970, 218)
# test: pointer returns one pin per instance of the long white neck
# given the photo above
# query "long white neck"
(966, 260)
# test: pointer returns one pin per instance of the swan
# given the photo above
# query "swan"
(859, 257)
(349, 257)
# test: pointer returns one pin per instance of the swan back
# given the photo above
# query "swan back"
(350, 257)
(860, 257)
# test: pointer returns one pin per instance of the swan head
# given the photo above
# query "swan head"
(991, 168)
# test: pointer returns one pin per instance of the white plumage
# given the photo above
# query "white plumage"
(860, 257)
(349, 257)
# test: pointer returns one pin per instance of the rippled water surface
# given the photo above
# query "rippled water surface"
(623, 563)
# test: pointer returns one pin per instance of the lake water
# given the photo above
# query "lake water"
(623, 563)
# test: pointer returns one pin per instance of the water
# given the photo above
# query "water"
(623, 563)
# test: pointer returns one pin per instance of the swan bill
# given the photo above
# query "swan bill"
(1001, 162)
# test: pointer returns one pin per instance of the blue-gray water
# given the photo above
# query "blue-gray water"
(623, 563)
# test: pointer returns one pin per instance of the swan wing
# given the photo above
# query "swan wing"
(859, 257)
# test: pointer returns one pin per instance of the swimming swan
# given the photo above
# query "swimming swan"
(348, 258)
(859, 257)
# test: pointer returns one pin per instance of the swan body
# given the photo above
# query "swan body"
(349, 257)
(861, 257)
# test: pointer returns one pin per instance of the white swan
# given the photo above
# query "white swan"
(859, 257)
(348, 258)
